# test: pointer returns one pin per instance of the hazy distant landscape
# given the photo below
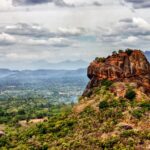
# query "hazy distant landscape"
(66, 84)
(36, 94)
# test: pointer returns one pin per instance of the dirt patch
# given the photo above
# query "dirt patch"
(24, 123)
(80, 107)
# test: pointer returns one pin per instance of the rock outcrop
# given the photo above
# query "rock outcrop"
(130, 66)
(2, 133)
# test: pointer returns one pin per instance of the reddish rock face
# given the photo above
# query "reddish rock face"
(133, 67)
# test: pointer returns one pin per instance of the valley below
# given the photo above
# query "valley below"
(31, 96)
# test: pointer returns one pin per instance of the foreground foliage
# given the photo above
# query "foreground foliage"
(108, 123)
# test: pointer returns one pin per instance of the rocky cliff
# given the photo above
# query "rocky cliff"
(130, 66)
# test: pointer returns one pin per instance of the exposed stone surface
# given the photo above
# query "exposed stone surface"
(2, 133)
(122, 67)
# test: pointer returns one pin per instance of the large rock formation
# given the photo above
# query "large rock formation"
(130, 66)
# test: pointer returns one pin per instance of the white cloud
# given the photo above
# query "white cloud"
(60, 42)
(6, 39)
(5, 4)
(131, 40)
(56, 42)
(128, 32)
(21, 56)
(88, 2)
(137, 4)
(141, 23)
(24, 29)
(71, 31)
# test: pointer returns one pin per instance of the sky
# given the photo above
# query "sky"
(51, 31)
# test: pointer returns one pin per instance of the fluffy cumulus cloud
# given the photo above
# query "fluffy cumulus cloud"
(6, 39)
(36, 35)
(24, 29)
(139, 3)
(6, 3)
(128, 32)
(135, 26)
(38, 2)
(60, 3)
(36, 30)
(23, 5)
(71, 31)
(56, 42)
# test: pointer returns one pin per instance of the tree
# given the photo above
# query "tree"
(130, 94)
(129, 51)
(120, 51)
(114, 52)
(100, 59)
(103, 105)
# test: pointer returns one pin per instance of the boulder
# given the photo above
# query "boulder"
(2, 133)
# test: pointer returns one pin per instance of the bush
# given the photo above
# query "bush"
(130, 94)
(114, 52)
(45, 146)
(100, 59)
(123, 102)
(145, 105)
(120, 51)
(109, 143)
(4, 141)
(129, 51)
(114, 103)
(103, 105)
(106, 83)
(137, 113)
(128, 133)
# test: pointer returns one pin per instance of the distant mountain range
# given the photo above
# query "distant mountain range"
(61, 73)
(147, 53)
(41, 78)
(15, 74)
(64, 65)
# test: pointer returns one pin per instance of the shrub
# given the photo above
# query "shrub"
(100, 59)
(103, 105)
(45, 146)
(109, 143)
(145, 105)
(42, 128)
(4, 141)
(129, 51)
(130, 94)
(106, 83)
(120, 51)
(114, 103)
(114, 52)
(123, 102)
(88, 111)
(128, 133)
(145, 135)
(131, 141)
(21, 112)
(137, 113)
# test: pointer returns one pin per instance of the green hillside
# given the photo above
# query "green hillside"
(101, 121)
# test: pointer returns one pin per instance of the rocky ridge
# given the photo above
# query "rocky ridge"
(130, 66)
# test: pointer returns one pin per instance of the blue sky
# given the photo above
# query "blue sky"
(59, 30)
